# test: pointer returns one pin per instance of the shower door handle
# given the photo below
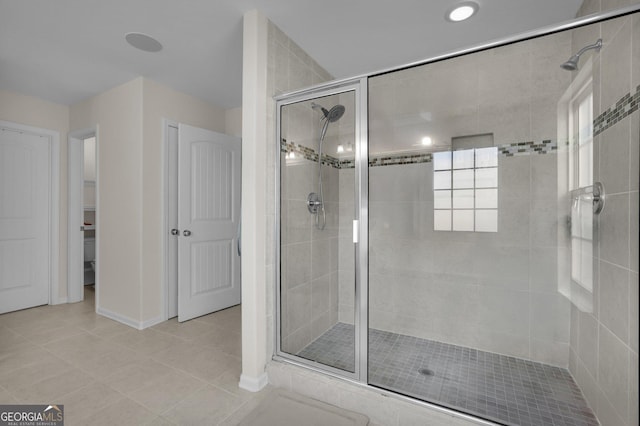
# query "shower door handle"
(356, 222)
(598, 197)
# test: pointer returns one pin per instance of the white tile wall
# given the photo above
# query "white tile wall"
(308, 292)
(478, 290)
(604, 344)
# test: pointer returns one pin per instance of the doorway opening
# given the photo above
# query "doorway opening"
(89, 214)
(83, 217)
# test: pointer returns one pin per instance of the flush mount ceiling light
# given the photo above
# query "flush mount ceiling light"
(143, 42)
(426, 141)
(462, 11)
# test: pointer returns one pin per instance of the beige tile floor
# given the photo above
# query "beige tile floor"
(106, 373)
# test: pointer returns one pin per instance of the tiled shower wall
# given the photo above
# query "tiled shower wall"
(604, 342)
(288, 68)
(492, 291)
(495, 292)
(309, 258)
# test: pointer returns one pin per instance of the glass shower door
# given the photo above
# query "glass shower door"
(317, 210)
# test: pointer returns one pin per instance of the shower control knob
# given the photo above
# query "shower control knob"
(186, 233)
(313, 203)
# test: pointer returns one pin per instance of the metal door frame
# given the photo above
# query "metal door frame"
(359, 87)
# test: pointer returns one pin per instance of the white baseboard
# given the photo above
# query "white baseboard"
(138, 325)
(253, 384)
(118, 317)
(152, 322)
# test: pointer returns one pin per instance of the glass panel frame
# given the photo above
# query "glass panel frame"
(360, 224)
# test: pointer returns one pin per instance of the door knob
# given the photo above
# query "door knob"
(175, 232)
(186, 233)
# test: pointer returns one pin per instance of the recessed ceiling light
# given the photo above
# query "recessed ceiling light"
(426, 141)
(143, 42)
(462, 11)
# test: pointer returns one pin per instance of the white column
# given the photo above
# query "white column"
(254, 176)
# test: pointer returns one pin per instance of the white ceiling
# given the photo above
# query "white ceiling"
(68, 50)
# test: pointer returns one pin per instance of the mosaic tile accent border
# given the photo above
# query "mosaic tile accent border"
(396, 159)
(509, 150)
(308, 154)
(626, 106)
(526, 148)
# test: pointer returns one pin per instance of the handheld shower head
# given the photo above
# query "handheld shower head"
(572, 63)
(335, 113)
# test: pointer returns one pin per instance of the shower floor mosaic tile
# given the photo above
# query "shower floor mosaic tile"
(500, 388)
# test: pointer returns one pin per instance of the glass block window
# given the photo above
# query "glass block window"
(465, 190)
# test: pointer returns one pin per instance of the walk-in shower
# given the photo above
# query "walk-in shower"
(315, 201)
(476, 272)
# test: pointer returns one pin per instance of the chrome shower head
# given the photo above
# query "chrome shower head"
(335, 113)
(572, 63)
(332, 115)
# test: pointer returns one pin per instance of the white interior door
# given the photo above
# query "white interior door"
(24, 220)
(172, 221)
(209, 181)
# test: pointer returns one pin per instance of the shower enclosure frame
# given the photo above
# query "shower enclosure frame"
(360, 83)
(360, 226)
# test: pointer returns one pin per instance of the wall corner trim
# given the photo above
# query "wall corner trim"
(253, 384)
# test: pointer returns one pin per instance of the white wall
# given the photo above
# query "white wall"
(129, 120)
(160, 102)
(255, 324)
(118, 115)
(32, 111)
(233, 122)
